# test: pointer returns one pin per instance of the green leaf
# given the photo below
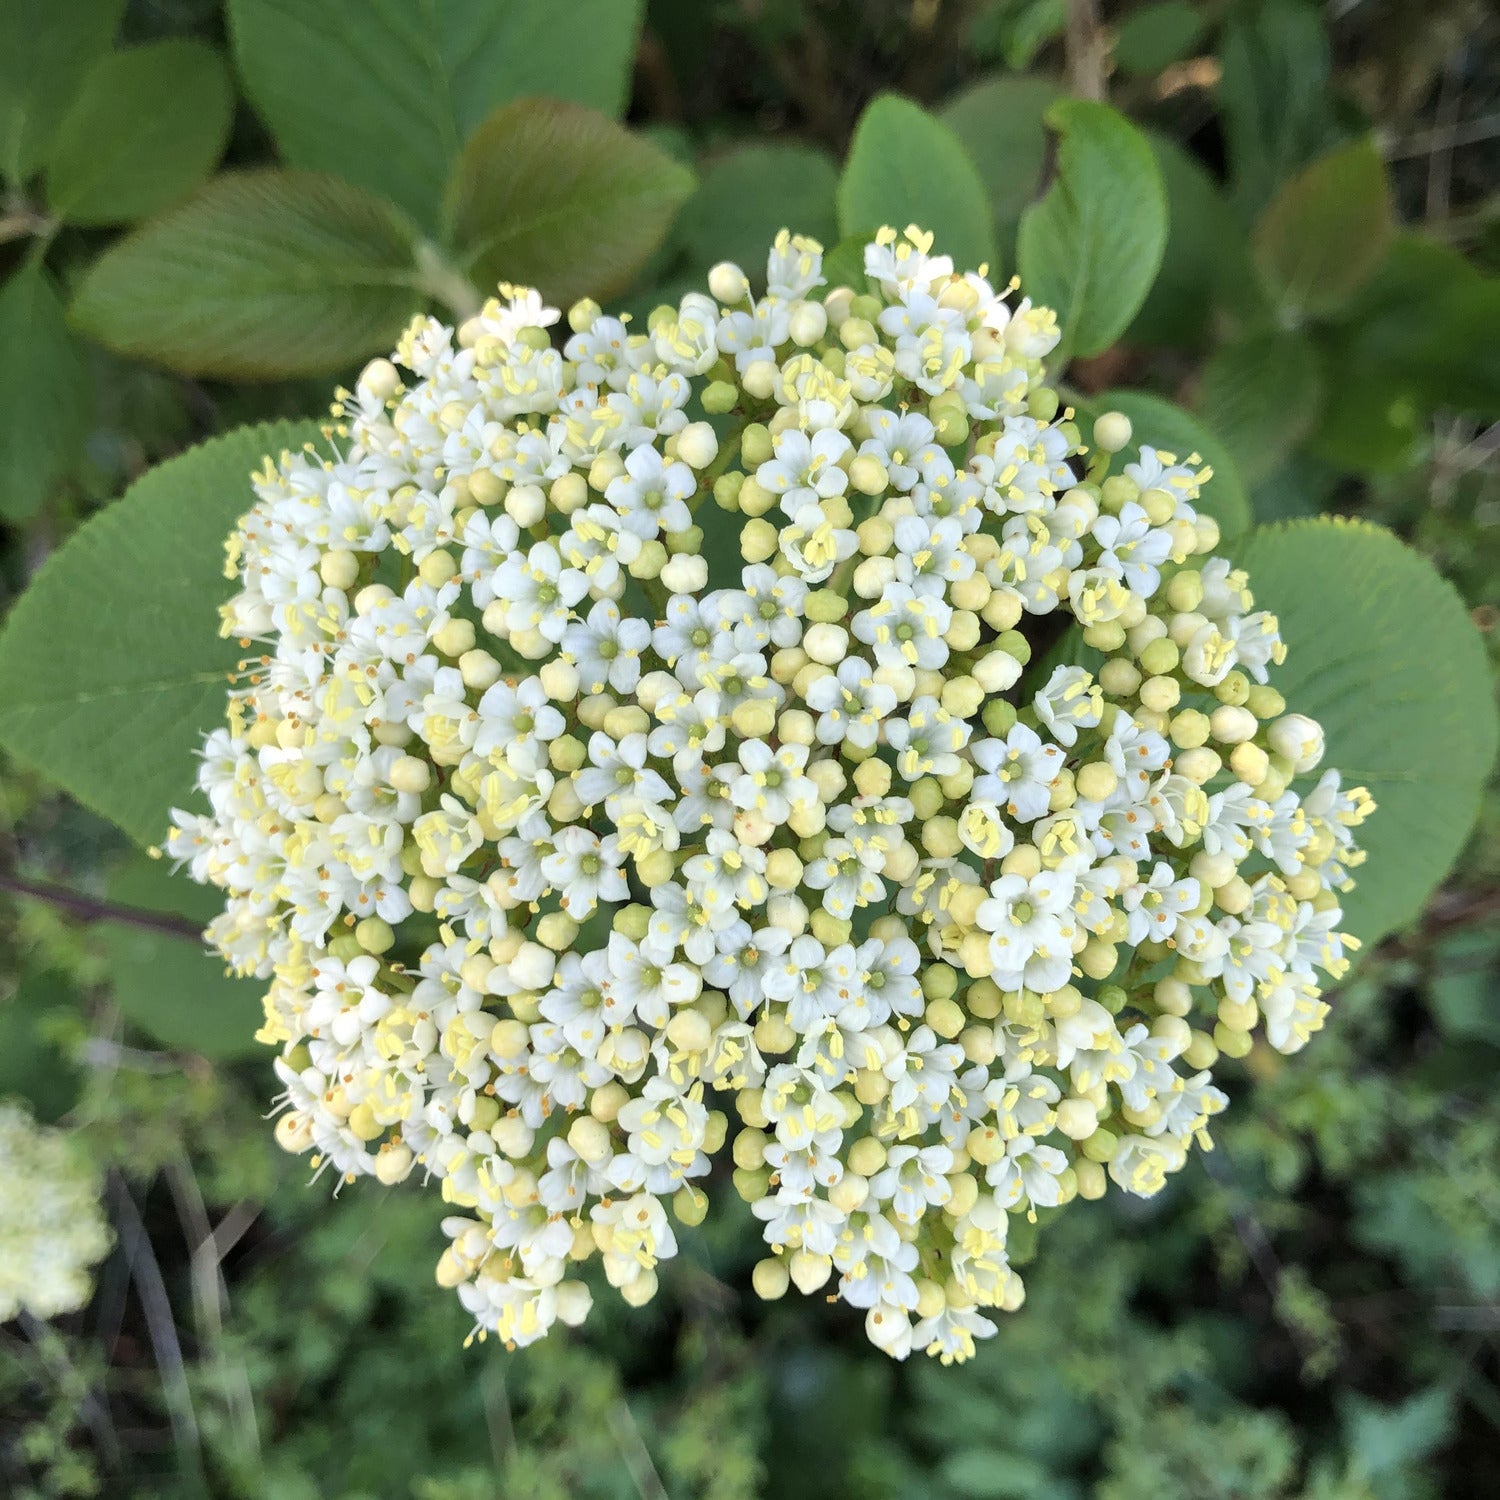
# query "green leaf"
(1203, 233)
(1014, 31)
(1429, 322)
(1161, 425)
(1156, 36)
(173, 988)
(1326, 231)
(1390, 1440)
(32, 1065)
(745, 198)
(149, 125)
(111, 665)
(1273, 96)
(906, 167)
(1261, 396)
(999, 122)
(44, 392)
(1382, 653)
(1304, 485)
(1371, 422)
(561, 198)
(46, 47)
(386, 92)
(258, 275)
(1091, 248)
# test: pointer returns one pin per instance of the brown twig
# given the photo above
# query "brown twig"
(92, 909)
(1087, 50)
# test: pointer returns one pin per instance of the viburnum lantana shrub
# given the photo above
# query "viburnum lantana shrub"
(913, 827)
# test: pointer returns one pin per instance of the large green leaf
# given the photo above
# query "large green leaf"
(906, 167)
(44, 391)
(1092, 247)
(1260, 395)
(111, 665)
(1382, 653)
(1159, 424)
(561, 198)
(173, 987)
(1326, 231)
(46, 46)
(386, 92)
(1205, 247)
(1273, 95)
(999, 122)
(258, 275)
(746, 197)
(149, 124)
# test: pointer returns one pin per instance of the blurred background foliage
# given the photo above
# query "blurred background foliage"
(209, 210)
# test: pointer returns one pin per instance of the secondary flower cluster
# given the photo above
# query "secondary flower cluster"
(773, 712)
(52, 1227)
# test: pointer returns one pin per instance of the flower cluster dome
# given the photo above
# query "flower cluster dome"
(772, 714)
(52, 1225)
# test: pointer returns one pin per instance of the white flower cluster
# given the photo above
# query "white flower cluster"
(661, 727)
(52, 1226)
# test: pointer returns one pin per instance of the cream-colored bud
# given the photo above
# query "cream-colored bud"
(808, 323)
(339, 570)
(728, 283)
(686, 573)
(1199, 766)
(1112, 432)
(381, 379)
(900, 679)
(1077, 1119)
(1249, 763)
(827, 644)
(1298, 739)
(525, 504)
(971, 593)
(1232, 726)
(771, 1278)
(873, 576)
(697, 445)
(753, 718)
(997, 671)
(759, 379)
(510, 1039)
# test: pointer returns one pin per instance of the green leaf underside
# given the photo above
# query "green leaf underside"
(1382, 653)
(561, 198)
(1260, 395)
(906, 167)
(171, 987)
(745, 198)
(259, 275)
(44, 391)
(1326, 231)
(46, 47)
(384, 93)
(1157, 423)
(1091, 248)
(999, 122)
(149, 124)
(111, 665)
